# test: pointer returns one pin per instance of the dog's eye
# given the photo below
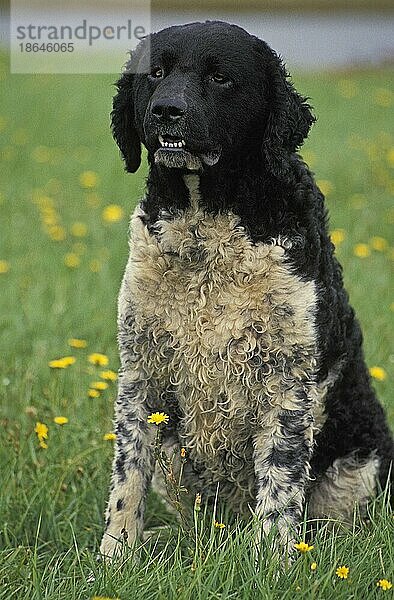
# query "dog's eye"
(220, 79)
(157, 73)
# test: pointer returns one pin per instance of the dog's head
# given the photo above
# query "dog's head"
(204, 93)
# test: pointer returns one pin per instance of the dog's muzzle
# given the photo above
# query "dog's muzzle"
(181, 158)
(168, 115)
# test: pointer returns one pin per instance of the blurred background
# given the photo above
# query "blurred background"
(308, 33)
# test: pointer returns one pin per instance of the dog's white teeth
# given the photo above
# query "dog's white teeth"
(175, 144)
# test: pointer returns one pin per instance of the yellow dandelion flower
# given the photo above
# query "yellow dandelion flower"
(337, 236)
(379, 243)
(326, 187)
(313, 566)
(109, 436)
(99, 385)
(69, 360)
(112, 213)
(4, 267)
(109, 375)
(303, 547)
(60, 420)
(93, 393)
(378, 373)
(158, 418)
(77, 343)
(384, 584)
(79, 229)
(57, 233)
(57, 364)
(72, 260)
(88, 179)
(342, 572)
(42, 433)
(41, 430)
(98, 359)
(183, 452)
(50, 220)
(46, 204)
(361, 250)
(62, 363)
(219, 525)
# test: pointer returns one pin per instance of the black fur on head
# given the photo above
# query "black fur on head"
(237, 103)
(123, 123)
(289, 116)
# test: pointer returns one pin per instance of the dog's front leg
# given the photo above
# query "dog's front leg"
(133, 465)
(282, 450)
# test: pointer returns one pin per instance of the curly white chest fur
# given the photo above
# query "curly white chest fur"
(239, 323)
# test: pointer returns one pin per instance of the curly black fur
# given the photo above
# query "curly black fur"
(242, 108)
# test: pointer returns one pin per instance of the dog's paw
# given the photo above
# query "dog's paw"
(276, 544)
(111, 547)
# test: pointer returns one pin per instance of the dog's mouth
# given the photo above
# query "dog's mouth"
(173, 152)
(171, 142)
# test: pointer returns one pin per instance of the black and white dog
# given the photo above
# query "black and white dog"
(233, 318)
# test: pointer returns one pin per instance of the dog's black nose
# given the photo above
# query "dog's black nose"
(168, 109)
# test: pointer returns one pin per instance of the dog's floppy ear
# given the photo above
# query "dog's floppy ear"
(289, 117)
(123, 123)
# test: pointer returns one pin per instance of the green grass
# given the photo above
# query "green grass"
(52, 501)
